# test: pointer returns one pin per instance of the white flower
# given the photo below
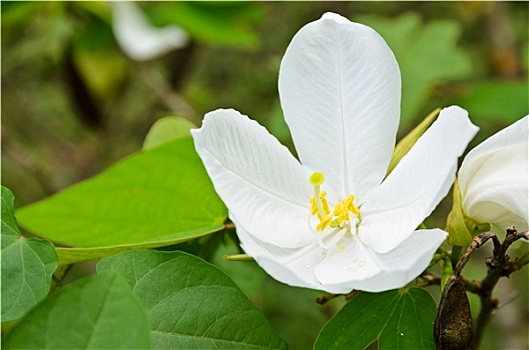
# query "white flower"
(493, 179)
(139, 39)
(340, 91)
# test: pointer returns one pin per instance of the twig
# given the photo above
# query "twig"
(229, 226)
(172, 100)
(328, 297)
(507, 299)
(324, 299)
(499, 266)
(471, 286)
(353, 294)
(476, 243)
(429, 279)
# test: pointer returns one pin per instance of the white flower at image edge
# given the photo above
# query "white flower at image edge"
(139, 39)
(493, 179)
(330, 222)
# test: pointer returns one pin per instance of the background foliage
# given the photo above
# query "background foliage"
(73, 104)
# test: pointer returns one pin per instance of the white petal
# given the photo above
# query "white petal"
(339, 85)
(139, 39)
(412, 256)
(294, 267)
(258, 179)
(493, 178)
(418, 183)
(401, 265)
(354, 263)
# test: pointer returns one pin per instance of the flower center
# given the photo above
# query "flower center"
(342, 220)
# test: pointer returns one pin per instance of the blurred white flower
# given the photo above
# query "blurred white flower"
(493, 179)
(331, 222)
(139, 39)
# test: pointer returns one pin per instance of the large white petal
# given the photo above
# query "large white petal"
(138, 38)
(294, 267)
(418, 183)
(339, 85)
(412, 256)
(354, 263)
(258, 179)
(493, 178)
(401, 265)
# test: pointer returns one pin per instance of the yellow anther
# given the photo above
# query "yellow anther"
(314, 205)
(324, 222)
(348, 202)
(317, 179)
(320, 207)
(324, 202)
(338, 212)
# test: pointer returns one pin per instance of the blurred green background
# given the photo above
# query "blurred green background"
(74, 103)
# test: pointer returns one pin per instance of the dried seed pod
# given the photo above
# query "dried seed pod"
(453, 327)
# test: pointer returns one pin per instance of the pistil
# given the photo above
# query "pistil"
(343, 219)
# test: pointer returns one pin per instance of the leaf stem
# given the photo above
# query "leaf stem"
(229, 226)
(238, 257)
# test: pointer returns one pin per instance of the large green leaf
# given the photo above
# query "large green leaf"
(427, 54)
(156, 197)
(9, 221)
(398, 319)
(27, 265)
(98, 312)
(69, 256)
(167, 129)
(191, 304)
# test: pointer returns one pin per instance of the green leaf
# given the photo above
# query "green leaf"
(191, 304)
(223, 23)
(398, 319)
(426, 54)
(504, 100)
(94, 313)
(27, 265)
(153, 198)
(9, 221)
(101, 69)
(167, 129)
(69, 256)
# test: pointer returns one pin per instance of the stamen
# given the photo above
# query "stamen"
(350, 205)
(318, 202)
(323, 223)
(342, 220)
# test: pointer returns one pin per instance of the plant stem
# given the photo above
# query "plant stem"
(454, 256)
(229, 226)
(476, 243)
(499, 266)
